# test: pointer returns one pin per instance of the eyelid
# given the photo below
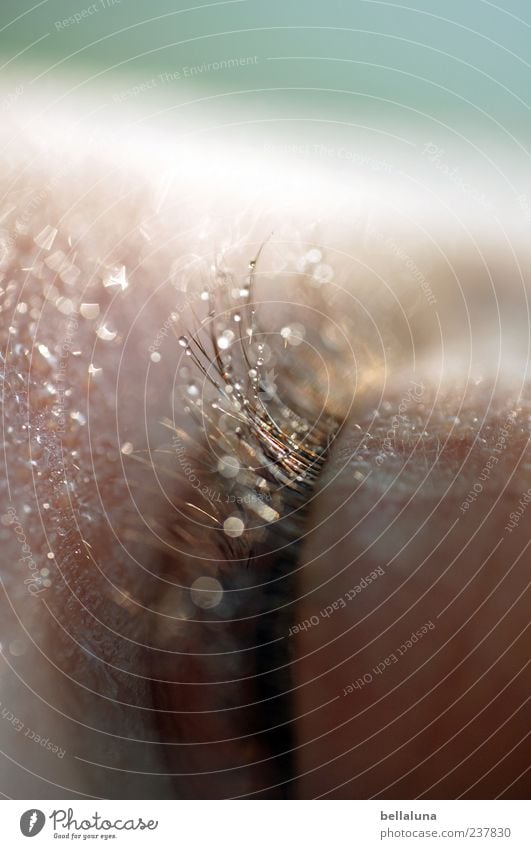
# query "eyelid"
(463, 572)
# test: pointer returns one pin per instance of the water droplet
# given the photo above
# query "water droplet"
(89, 311)
(105, 334)
(206, 592)
(127, 448)
(46, 238)
(155, 357)
(314, 256)
(225, 340)
(116, 277)
(65, 306)
(44, 351)
(228, 466)
(322, 274)
(183, 341)
(233, 527)
(293, 334)
(192, 390)
(17, 648)
(78, 417)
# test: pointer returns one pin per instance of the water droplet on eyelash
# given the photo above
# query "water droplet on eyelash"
(253, 374)
(105, 334)
(89, 311)
(50, 555)
(94, 371)
(205, 295)
(244, 293)
(233, 527)
(127, 448)
(183, 341)
(237, 317)
(155, 357)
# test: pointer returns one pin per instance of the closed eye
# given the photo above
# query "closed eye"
(213, 434)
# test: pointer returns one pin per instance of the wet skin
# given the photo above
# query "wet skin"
(107, 655)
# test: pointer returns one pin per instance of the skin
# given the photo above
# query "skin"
(115, 663)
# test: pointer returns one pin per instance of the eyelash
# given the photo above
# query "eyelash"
(254, 451)
(245, 467)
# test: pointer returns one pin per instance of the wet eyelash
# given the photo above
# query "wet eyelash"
(264, 453)
(248, 462)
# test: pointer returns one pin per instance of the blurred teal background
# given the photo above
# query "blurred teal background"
(458, 72)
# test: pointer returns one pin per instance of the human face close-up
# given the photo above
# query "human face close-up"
(265, 501)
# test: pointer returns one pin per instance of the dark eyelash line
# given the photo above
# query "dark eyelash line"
(265, 457)
(268, 454)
